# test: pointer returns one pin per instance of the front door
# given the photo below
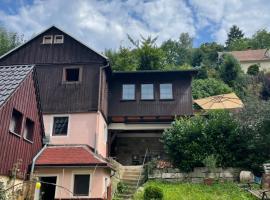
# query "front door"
(47, 190)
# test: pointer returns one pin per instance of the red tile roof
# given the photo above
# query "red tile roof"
(69, 155)
(251, 55)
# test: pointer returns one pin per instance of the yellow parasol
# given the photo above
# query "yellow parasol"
(223, 101)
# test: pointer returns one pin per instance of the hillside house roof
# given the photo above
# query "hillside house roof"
(70, 156)
(250, 55)
(10, 79)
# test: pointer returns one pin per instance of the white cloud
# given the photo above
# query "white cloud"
(249, 15)
(104, 24)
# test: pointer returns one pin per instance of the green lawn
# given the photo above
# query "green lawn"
(188, 191)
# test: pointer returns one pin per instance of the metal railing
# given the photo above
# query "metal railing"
(144, 159)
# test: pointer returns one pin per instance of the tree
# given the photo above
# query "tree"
(253, 69)
(240, 44)
(197, 57)
(8, 40)
(208, 87)
(149, 56)
(123, 60)
(260, 40)
(210, 53)
(177, 52)
(230, 69)
(234, 34)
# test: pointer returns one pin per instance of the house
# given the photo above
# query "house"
(250, 57)
(21, 127)
(91, 113)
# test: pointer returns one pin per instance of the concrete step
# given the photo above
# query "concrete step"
(132, 176)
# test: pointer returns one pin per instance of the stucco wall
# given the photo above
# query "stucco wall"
(65, 178)
(83, 128)
(265, 65)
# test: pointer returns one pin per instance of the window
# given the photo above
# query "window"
(105, 133)
(47, 39)
(72, 75)
(29, 129)
(81, 185)
(128, 92)
(147, 91)
(60, 126)
(166, 91)
(58, 39)
(16, 122)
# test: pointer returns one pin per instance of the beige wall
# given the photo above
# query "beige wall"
(265, 65)
(83, 128)
(65, 177)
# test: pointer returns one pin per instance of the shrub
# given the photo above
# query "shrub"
(153, 193)
(208, 87)
(253, 70)
(230, 69)
(121, 187)
(184, 142)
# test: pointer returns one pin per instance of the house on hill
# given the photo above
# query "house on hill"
(260, 57)
(91, 113)
(21, 127)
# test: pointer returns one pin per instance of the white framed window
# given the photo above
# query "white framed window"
(60, 126)
(128, 92)
(47, 39)
(166, 91)
(81, 184)
(105, 133)
(58, 39)
(147, 91)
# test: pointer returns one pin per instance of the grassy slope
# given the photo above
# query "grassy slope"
(187, 191)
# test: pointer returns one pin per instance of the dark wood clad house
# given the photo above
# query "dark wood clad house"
(21, 128)
(141, 105)
(59, 57)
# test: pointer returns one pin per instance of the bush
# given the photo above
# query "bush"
(230, 69)
(121, 187)
(191, 140)
(153, 193)
(208, 87)
(253, 70)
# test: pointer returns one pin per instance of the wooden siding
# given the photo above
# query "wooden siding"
(180, 105)
(13, 147)
(50, 59)
(58, 97)
(34, 52)
(104, 92)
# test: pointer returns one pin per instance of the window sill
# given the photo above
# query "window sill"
(28, 140)
(123, 100)
(166, 99)
(59, 135)
(147, 99)
(71, 82)
(16, 134)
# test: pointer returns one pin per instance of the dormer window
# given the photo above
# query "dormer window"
(58, 39)
(47, 39)
(72, 74)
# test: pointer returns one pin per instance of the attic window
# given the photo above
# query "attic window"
(58, 39)
(16, 122)
(72, 75)
(29, 129)
(47, 39)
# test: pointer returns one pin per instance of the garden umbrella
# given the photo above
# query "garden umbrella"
(223, 101)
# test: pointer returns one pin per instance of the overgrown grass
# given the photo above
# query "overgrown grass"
(189, 191)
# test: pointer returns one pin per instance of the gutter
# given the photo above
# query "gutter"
(35, 158)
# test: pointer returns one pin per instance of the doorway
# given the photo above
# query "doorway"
(47, 190)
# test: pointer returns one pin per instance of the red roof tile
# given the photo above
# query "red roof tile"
(69, 155)
(251, 55)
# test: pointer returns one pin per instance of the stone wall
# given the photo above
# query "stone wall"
(197, 176)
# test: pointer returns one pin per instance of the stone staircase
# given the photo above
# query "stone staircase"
(130, 177)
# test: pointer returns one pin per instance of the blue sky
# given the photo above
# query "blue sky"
(104, 24)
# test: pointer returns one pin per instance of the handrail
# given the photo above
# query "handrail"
(146, 151)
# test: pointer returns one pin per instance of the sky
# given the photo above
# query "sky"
(104, 24)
